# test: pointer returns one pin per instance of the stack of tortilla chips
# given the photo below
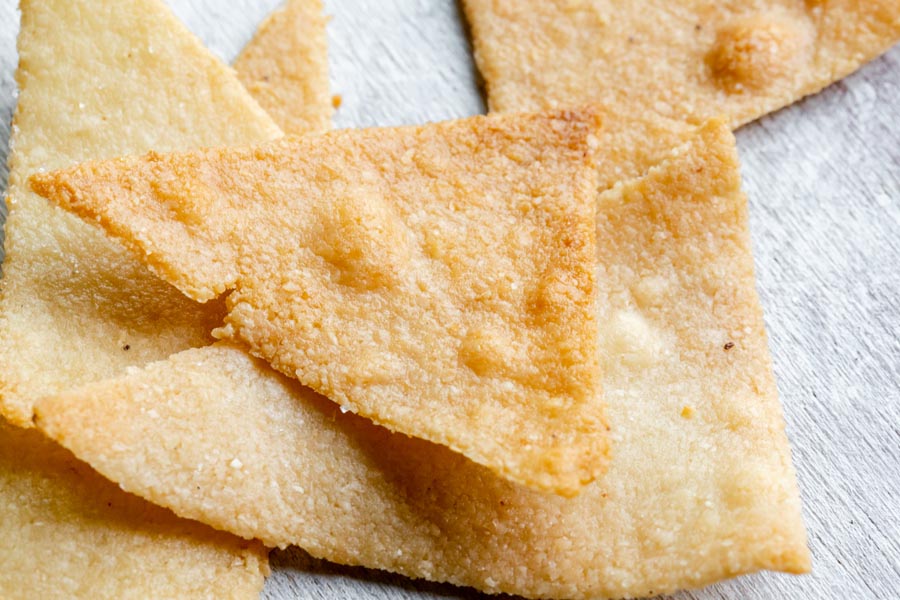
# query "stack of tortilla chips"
(521, 352)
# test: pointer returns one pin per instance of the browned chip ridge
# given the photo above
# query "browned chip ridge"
(435, 279)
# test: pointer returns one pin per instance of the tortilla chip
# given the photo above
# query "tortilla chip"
(66, 532)
(285, 67)
(691, 59)
(435, 279)
(75, 307)
(100, 79)
(700, 486)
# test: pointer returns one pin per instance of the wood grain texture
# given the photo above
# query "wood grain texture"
(823, 178)
(9, 18)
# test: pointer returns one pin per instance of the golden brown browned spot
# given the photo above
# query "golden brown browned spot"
(363, 243)
(753, 53)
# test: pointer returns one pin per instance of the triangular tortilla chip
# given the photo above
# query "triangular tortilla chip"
(66, 532)
(97, 79)
(285, 68)
(687, 59)
(700, 486)
(101, 79)
(435, 279)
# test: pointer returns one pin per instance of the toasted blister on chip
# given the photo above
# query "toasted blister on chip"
(686, 59)
(66, 532)
(99, 79)
(285, 68)
(437, 279)
(700, 485)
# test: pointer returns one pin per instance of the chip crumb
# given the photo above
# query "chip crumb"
(687, 412)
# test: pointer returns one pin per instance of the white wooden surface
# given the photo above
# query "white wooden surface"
(824, 183)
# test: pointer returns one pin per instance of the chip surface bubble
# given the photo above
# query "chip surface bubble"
(755, 52)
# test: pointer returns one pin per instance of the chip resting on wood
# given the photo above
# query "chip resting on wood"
(700, 485)
(66, 532)
(437, 279)
(93, 79)
(285, 68)
(99, 79)
(685, 59)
